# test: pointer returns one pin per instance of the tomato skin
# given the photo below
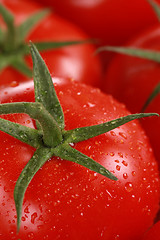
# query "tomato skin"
(131, 80)
(153, 233)
(111, 21)
(67, 201)
(77, 62)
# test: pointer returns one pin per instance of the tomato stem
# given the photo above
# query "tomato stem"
(44, 88)
(13, 48)
(27, 135)
(51, 132)
(154, 94)
(134, 52)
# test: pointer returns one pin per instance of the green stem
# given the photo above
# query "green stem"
(40, 156)
(44, 88)
(156, 8)
(155, 92)
(24, 29)
(134, 52)
(25, 134)
(9, 41)
(84, 133)
(43, 46)
(66, 152)
(51, 132)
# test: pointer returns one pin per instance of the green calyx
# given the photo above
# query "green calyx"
(156, 7)
(50, 138)
(13, 48)
(137, 52)
(152, 96)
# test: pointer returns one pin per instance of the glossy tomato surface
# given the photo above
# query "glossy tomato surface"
(111, 21)
(153, 233)
(131, 80)
(77, 62)
(67, 201)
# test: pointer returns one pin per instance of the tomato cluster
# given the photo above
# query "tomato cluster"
(75, 161)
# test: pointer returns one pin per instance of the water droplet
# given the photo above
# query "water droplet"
(91, 104)
(60, 93)
(123, 135)
(103, 181)
(111, 154)
(117, 161)
(120, 154)
(133, 173)
(23, 219)
(118, 168)
(144, 179)
(102, 170)
(31, 235)
(14, 84)
(129, 187)
(39, 227)
(33, 217)
(125, 175)
(125, 163)
(25, 227)
(112, 133)
(117, 237)
(26, 210)
(28, 121)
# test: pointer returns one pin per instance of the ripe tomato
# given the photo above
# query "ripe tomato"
(111, 21)
(131, 80)
(153, 233)
(76, 61)
(67, 201)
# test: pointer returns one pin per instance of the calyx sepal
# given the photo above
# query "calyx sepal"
(13, 47)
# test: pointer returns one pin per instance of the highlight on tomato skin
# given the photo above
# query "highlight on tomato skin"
(76, 61)
(67, 201)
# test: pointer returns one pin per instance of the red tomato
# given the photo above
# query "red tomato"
(153, 233)
(111, 21)
(131, 80)
(76, 61)
(67, 201)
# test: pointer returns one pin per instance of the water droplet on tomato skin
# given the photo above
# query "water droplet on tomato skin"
(103, 181)
(33, 217)
(112, 154)
(25, 228)
(23, 219)
(125, 175)
(113, 133)
(118, 168)
(125, 163)
(14, 84)
(123, 135)
(117, 237)
(31, 235)
(120, 154)
(133, 173)
(129, 187)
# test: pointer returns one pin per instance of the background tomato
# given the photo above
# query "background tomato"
(131, 80)
(76, 61)
(67, 201)
(111, 21)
